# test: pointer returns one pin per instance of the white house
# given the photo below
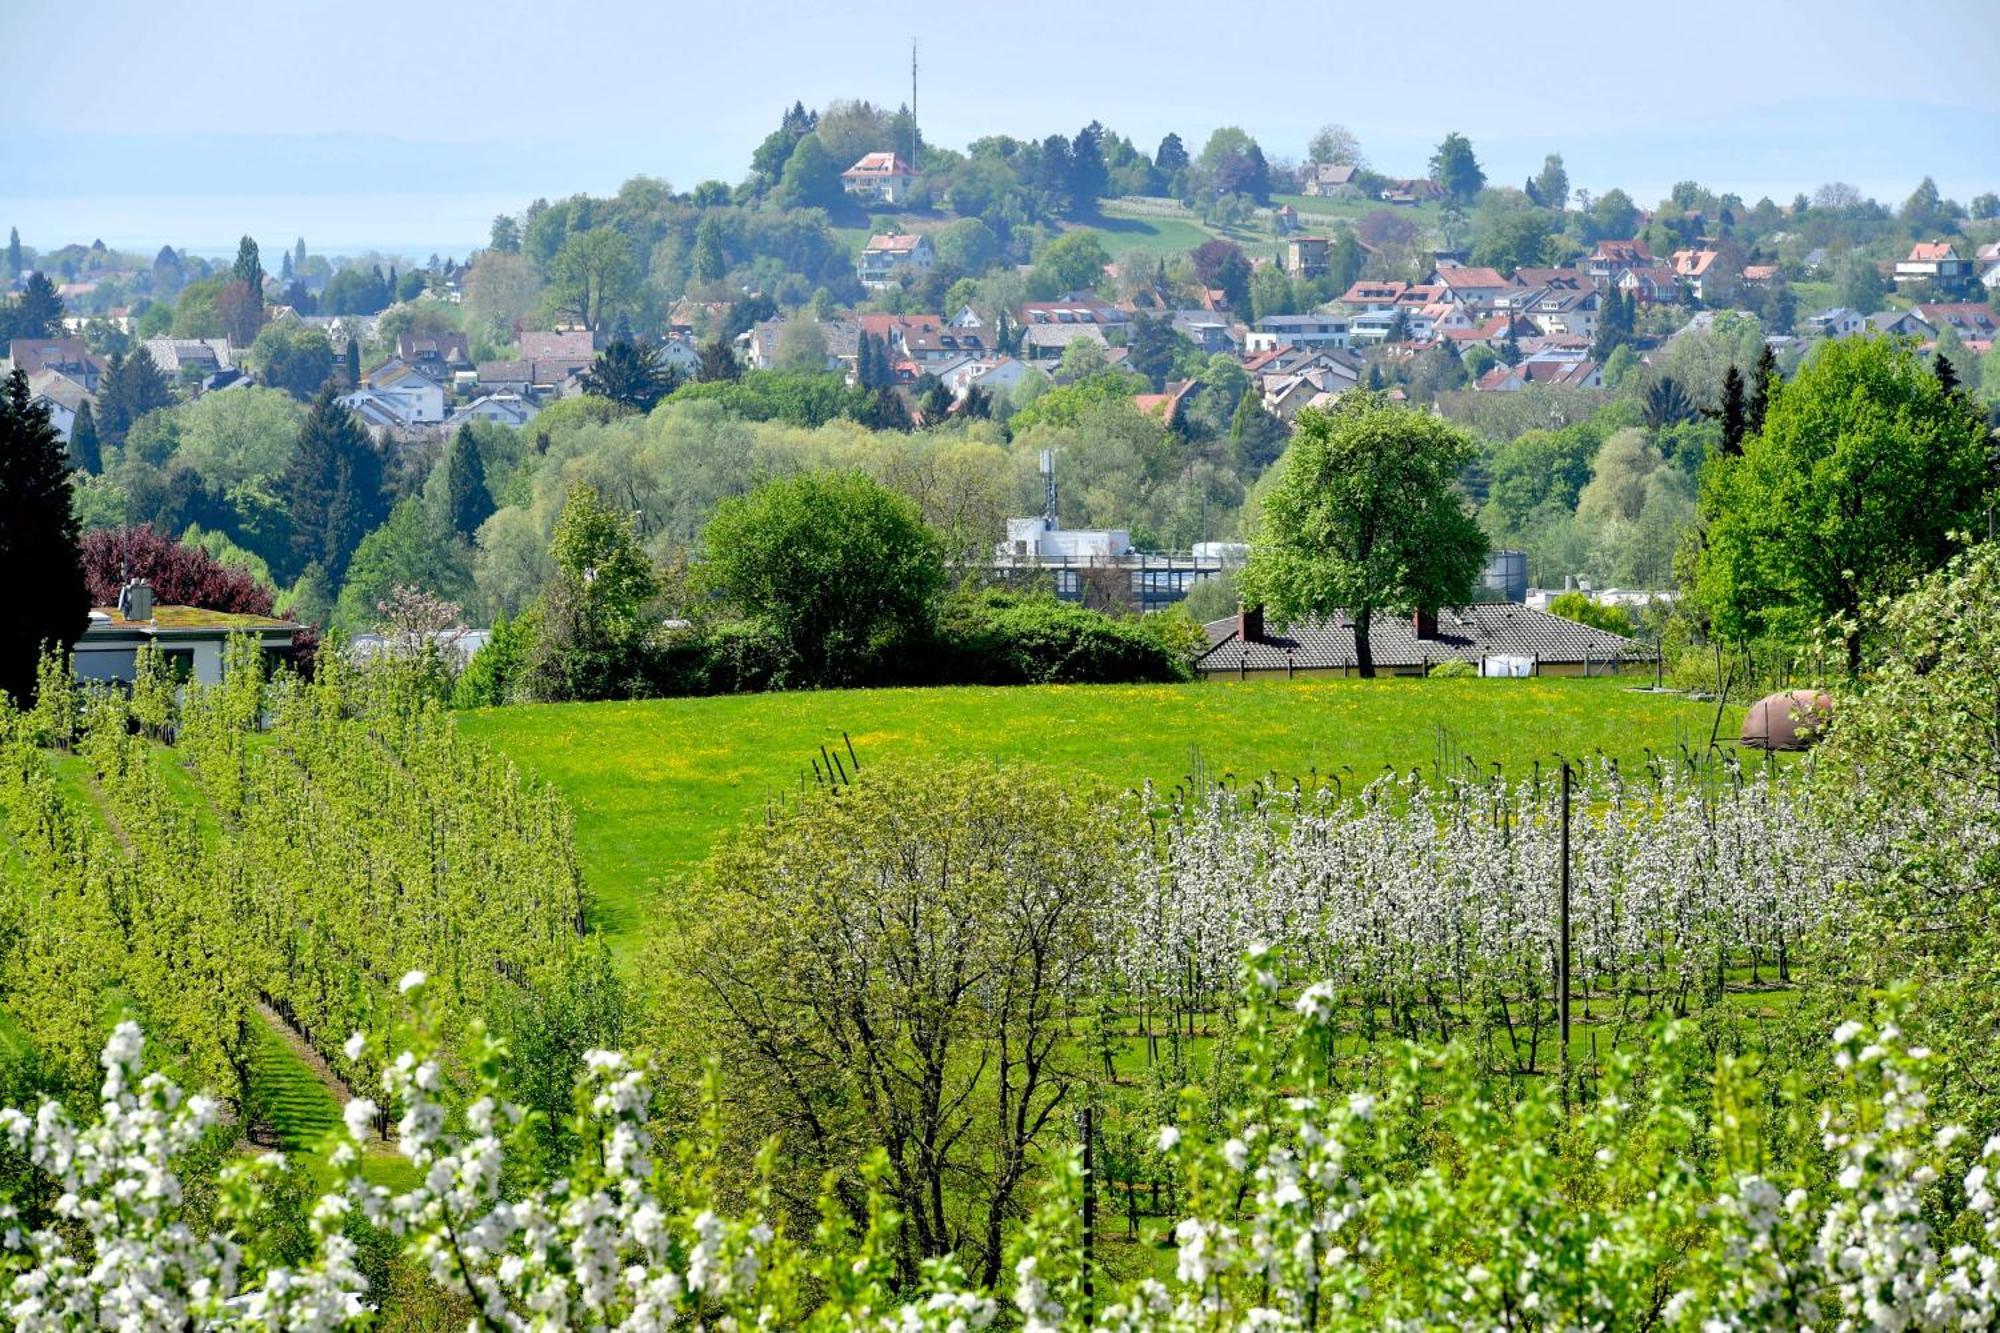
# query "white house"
(886, 260)
(507, 407)
(884, 176)
(192, 640)
(997, 377)
(1313, 331)
(1933, 261)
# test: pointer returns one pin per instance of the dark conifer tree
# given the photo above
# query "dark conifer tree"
(1172, 155)
(13, 253)
(1763, 385)
(631, 374)
(718, 362)
(132, 387)
(39, 312)
(85, 453)
(1946, 372)
(467, 499)
(48, 601)
(1733, 414)
(331, 490)
(353, 364)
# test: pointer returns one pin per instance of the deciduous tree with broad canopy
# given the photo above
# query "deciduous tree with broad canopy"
(1366, 517)
(1864, 469)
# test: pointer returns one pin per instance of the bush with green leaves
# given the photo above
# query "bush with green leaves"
(997, 638)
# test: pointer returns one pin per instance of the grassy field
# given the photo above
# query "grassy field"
(654, 784)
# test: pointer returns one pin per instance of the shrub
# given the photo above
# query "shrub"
(1456, 668)
(996, 638)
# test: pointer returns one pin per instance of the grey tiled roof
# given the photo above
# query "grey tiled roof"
(1499, 629)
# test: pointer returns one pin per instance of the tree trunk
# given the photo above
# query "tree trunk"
(1854, 654)
(1364, 655)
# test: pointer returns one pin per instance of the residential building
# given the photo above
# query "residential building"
(1210, 332)
(937, 346)
(436, 354)
(759, 344)
(1611, 259)
(1835, 322)
(887, 260)
(1307, 256)
(1899, 324)
(580, 345)
(1312, 331)
(1324, 179)
(1691, 267)
(1933, 261)
(1483, 633)
(1475, 288)
(1566, 374)
(883, 176)
(1000, 375)
(508, 408)
(1570, 310)
(1973, 321)
(202, 355)
(61, 395)
(1366, 297)
(192, 641)
(65, 356)
(1653, 284)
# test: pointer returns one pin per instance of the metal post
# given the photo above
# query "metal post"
(1562, 963)
(1085, 1126)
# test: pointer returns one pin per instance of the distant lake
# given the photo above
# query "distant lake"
(415, 225)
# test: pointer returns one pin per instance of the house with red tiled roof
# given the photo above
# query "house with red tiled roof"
(1477, 288)
(1166, 406)
(1611, 258)
(1366, 296)
(1653, 284)
(1581, 374)
(1973, 321)
(886, 260)
(1692, 268)
(1933, 261)
(883, 176)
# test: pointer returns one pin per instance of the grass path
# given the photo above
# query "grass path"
(653, 784)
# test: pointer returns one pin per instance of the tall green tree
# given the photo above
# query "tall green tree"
(13, 252)
(468, 500)
(1764, 382)
(85, 452)
(631, 374)
(37, 314)
(249, 267)
(1172, 155)
(718, 362)
(49, 601)
(1366, 518)
(710, 264)
(1456, 170)
(1734, 412)
(331, 489)
(132, 387)
(842, 572)
(811, 177)
(353, 363)
(1865, 468)
(592, 276)
(1552, 183)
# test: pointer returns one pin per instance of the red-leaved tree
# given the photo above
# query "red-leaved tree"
(180, 575)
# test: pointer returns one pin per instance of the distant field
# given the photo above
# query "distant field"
(654, 784)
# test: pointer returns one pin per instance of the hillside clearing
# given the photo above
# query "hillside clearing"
(654, 783)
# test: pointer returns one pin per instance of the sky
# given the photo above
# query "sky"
(149, 122)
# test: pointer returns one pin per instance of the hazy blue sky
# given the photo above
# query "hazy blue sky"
(149, 121)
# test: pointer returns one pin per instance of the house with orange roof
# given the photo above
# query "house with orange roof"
(886, 260)
(883, 176)
(1933, 261)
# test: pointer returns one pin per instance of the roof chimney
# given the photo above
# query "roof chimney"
(1249, 623)
(135, 600)
(1427, 623)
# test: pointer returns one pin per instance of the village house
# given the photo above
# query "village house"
(1571, 310)
(438, 355)
(1650, 285)
(999, 376)
(759, 343)
(1610, 260)
(1973, 322)
(1311, 331)
(886, 260)
(68, 357)
(202, 356)
(192, 642)
(63, 398)
(1366, 297)
(1835, 322)
(1899, 324)
(1474, 288)
(1933, 261)
(1565, 374)
(1210, 332)
(1691, 268)
(507, 408)
(1308, 256)
(1321, 180)
(882, 176)
(1166, 406)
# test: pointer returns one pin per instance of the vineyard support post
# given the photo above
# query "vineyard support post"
(1085, 1128)
(1562, 962)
